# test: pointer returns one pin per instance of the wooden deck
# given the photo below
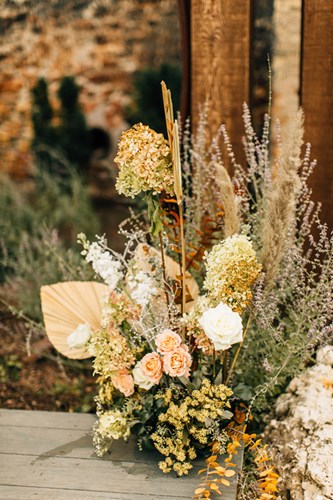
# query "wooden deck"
(49, 455)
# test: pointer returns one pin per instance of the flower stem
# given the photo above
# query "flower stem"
(183, 278)
(164, 273)
(239, 349)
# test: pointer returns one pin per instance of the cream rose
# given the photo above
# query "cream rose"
(222, 326)
(151, 367)
(140, 379)
(178, 362)
(167, 341)
(79, 337)
(123, 381)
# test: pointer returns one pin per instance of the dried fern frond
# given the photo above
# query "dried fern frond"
(280, 214)
(227, 198)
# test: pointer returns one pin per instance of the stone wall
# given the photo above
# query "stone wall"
(101, 42)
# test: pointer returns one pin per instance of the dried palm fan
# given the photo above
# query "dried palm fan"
(68, 305)
(144, 257)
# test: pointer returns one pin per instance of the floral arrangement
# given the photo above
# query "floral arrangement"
(193, 291)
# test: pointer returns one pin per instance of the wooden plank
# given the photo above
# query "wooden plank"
(51, 420)
(56, 460)
(317, 96)
(91, 475)
(220, 63)
(27, 493)
(46, 443)
(184, 10)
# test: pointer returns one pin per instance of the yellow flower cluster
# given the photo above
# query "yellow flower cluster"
(144, 162)
(177, 449)
(186, 423)
(231, 271)
(106, 391)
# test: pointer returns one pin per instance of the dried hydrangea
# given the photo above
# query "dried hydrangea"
(111, 351)
(231, 271)
(119, 308)
(108, 345)
(111, 425)
(144, 162)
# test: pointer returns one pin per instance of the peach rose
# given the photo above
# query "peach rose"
(151, 367)
(124, 382)
(167, 341)
(177, 363)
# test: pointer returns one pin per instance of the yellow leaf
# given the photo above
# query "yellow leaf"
(220, 469)
(214, 487)
(266, 472)
(211, 459)
(199, 490)
(201, 471)
(225, 482)
(229, 473)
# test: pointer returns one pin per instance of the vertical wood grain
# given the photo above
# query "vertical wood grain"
(184, 11)
(317, 96)
(220, 63)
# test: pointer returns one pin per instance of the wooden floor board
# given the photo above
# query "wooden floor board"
(51, 456)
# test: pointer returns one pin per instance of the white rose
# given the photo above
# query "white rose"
(222, 326)
(80, 336)
(140, 379)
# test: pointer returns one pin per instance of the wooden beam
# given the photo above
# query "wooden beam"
(184, 10)
(220, 63)
(317, 97)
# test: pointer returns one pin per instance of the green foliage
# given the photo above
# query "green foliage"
(45, 133)
(70, 139)
(38, 236)
(75, 391)
(73, 133)
(147, 103)
(10, 368)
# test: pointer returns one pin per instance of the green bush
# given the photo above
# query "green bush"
(147, 102)
(70, 139)
(38, 236)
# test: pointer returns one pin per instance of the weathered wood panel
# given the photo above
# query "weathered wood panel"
(317, 96)
(50, 455)
(25, 493)
(46, 419)
(220, 63)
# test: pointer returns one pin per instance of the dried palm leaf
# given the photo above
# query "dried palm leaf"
(67, 305)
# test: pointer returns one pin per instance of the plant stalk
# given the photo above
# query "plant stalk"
(164, 273)
(183, 277)
(238, 350)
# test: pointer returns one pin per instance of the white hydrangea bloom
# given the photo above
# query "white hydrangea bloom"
(113, 425)
(104, 264)
(141, 288)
